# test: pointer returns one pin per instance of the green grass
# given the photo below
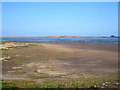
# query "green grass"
(32, 44)
(81, 82)
(8, 85)
(19, 84)
(72, 83)
(12, 47)
(3, 42)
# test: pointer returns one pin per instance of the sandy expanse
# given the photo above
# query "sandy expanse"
(59, 61)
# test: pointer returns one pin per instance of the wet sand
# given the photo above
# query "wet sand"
(60, 61)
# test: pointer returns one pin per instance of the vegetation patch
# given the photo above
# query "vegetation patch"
(32, 44)
(93, 82)
(19, 84)
(41, 76)
(19, 72)
(3, 42)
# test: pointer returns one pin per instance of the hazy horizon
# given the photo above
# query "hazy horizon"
(59, 19)
(62, 35)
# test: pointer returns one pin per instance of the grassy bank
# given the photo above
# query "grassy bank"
(93, 82)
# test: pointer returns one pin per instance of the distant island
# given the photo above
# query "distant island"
(114, 36)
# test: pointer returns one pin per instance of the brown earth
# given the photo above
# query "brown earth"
(59, 61)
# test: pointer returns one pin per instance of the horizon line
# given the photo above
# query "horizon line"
(62, 36)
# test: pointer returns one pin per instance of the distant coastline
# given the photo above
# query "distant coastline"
(47, 36)
(62, 36)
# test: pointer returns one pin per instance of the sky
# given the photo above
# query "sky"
(59, 18)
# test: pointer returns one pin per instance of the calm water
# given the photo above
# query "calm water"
(88, 40)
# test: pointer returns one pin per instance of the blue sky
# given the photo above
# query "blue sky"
(59, 18)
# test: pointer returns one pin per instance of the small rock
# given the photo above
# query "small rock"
(95, 86)
(2, 58)
(117, 83)
(102, 87)
(103, 84)
(5, 60)
(8, 57)
(106, 85)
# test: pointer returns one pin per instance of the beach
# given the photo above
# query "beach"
(49, 61)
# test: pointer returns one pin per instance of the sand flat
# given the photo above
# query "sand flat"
(60, 60)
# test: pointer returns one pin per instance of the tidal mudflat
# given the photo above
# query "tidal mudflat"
(48, 65)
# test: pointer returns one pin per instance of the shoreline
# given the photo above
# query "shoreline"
(69, 40)
(78, 45)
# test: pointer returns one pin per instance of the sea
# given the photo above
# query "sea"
(81, 40)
